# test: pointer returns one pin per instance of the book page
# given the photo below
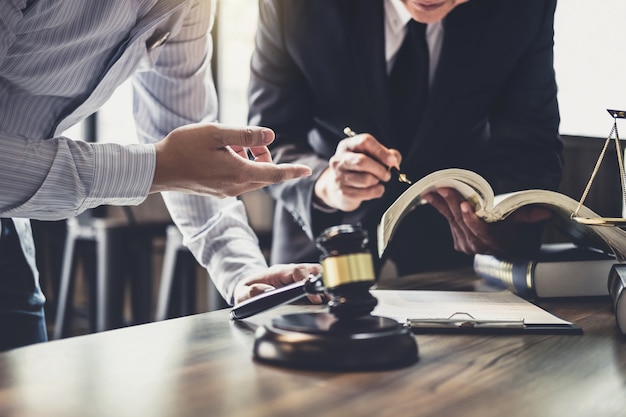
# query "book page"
(496, 208)
(498, 305)
(606, 238)
(469, 184)
(505, 204)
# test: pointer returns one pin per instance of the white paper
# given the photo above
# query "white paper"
(484, 306)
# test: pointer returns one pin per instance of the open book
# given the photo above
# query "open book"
(495, 208)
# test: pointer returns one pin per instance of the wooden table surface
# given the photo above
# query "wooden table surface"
(202, 365)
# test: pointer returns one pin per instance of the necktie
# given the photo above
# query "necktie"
(408, 87)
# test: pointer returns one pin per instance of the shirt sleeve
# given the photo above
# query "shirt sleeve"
(178, 89)
(68, 177)
(52, 178)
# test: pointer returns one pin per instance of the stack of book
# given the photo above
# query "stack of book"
(558, 270)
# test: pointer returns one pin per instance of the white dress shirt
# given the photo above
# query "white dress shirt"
(396, 19)
(60, 60)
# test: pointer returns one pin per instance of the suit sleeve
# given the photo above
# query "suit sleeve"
(280, 98)
(524, 149)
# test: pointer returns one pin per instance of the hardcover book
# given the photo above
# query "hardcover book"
(494, 208)
(558, 270)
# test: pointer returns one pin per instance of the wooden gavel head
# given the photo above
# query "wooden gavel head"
(348, 271)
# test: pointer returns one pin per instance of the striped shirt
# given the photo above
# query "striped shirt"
(60, 60)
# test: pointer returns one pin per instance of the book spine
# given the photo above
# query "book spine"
(515, 276)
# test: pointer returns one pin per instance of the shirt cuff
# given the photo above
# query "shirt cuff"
(122, 174)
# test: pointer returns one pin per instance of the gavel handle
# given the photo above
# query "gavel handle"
(270, 299)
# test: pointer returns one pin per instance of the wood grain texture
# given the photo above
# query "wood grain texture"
(202, 365)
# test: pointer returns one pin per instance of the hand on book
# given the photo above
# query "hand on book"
(356, 172)
(518, 234)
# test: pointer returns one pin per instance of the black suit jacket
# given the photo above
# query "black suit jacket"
(319, 65)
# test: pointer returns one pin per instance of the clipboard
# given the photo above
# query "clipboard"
(468, 312)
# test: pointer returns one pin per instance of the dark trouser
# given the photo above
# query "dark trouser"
(22, 319)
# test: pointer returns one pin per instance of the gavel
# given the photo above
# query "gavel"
(347, 337)
(346, 278)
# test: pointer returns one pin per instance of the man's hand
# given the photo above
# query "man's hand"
(472, 235)
(211, 159)
(274, 277)
(357, 169)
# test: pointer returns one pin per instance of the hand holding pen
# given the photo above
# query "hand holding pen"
(357, 171)
(399, 175)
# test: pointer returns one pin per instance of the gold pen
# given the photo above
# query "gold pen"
(401, 177)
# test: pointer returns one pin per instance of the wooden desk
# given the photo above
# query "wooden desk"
(202, 366)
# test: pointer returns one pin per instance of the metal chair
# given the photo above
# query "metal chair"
(114, 252)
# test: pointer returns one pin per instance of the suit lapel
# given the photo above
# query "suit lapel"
(366, 40)
(464, 32)
(465, 28)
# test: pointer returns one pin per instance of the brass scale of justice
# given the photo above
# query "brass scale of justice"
(347, 336)
(606, 221)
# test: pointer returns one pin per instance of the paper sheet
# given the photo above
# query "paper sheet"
(498, 305)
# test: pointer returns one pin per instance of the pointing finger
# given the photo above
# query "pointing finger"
(250, 136)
